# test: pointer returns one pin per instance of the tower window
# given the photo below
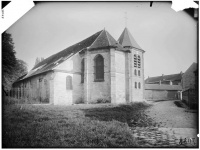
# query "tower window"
(139, 86)
(139, 62)
(138, 72)
(99, 68)
(136, 85)
(69, 83)
(135, 60)
(135, 72)
(82, 70)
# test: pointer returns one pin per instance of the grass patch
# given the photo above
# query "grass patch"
(69, 126)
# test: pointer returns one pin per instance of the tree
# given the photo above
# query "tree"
(38, 60)
(12, 68)
(8, 54)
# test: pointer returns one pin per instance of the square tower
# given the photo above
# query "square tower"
(135, 69)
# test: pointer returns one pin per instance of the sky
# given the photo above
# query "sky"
(169, 38)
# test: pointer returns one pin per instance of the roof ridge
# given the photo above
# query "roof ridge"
(165, 75)
(96, 38)
(108, 38)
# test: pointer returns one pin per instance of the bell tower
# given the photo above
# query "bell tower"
(134, 68)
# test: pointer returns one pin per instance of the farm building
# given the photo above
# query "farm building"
(172, 79)
(190, 86)
(162, 92)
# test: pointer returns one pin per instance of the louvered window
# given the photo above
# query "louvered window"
(135, 60)
(139, 62)
(139, 86)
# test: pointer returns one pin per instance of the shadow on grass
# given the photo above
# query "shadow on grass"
(132, 114)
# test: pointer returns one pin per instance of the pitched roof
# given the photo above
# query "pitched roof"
(192, 68)
(163, 87)
(105, 40)
(171, 77)
(126, 39)
(100, 39)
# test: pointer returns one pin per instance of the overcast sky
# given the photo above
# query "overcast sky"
(168, 37)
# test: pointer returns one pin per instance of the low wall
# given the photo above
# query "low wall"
(160, 95)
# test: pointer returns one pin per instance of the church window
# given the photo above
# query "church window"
(82, 70)
(135, 60)
(135, 72)
(136, 85)
(99, 68)
(69, 83)
(138, 72)
(139, 62)
(139, 86)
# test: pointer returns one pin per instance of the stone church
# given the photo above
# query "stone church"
(99, 68)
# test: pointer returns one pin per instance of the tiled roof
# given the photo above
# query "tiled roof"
(192, 68)
(126, 39)
(100, 39)
(163, 87)
(105, 40)
(172, 77)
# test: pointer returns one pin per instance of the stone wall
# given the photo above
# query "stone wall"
(120, 77)
(137, 93)
(36, 89)
(96, 90)
(188, 79)
(70, 68)
(160, 95)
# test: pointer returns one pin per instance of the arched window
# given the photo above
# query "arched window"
(135, 72)
(136, 85)
(139, 86)
(135, 60)
(69, 83)
(82, 70)
(139, 62)
(138, 72)
(99, 68)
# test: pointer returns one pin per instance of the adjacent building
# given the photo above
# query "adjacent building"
(190, 86)
(172, 79)
(162, 92)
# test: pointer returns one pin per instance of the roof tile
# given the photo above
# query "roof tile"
(126, 39)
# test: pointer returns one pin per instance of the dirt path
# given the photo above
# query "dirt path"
(175, 127)
(168, 115)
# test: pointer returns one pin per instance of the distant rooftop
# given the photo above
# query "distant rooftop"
(171, 77)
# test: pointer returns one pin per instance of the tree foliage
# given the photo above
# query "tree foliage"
(38, 60)
(12, 68)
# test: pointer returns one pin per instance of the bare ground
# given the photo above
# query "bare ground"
(177, 122)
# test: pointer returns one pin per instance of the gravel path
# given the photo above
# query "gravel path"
(175, 127)
(168, 115)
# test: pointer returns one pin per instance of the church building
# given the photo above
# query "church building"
(97, 69)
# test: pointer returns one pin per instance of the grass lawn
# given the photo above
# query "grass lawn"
(93, 125)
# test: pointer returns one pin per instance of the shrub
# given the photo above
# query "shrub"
(102, 100)
(11, 100)
(80, 101)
